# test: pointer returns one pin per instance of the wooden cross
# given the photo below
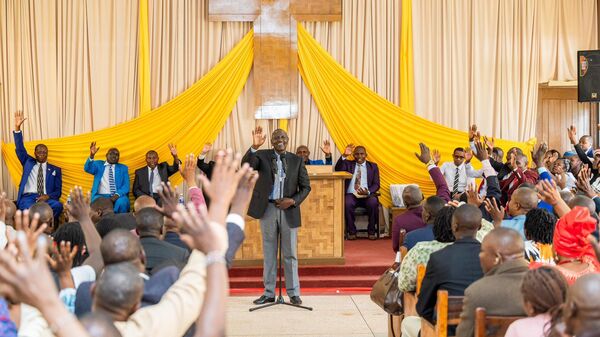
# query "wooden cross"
(275, 49)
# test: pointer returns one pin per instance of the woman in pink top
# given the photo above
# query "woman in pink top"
(544, 290)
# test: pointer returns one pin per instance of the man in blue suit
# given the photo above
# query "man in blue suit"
(303, 152)
(41, 181)
(111, 179)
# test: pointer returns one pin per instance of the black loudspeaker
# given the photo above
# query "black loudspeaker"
(588, 81)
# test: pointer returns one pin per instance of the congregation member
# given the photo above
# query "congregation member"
(457, 173)
(564, 178)
(523, 200)
(592, 163)
(303, 152)
(498, 291)
(431, 208)
(586, 142)
(452, 268)
(581, 313)
(282, 186)
(41, 181)
(361, 190)
(544, 291)
(539, 231)
(111, 179)
(205, 167)
(147, 179)
(413, 218)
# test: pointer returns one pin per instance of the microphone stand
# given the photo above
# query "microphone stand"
(279, 299)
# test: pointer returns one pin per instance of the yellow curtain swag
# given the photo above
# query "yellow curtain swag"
(189, 120)
(355, 114)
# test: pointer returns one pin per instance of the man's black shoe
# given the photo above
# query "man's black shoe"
(295, 300)
(264, 299)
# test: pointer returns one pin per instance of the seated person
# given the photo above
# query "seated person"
(41, 181)
(361, 189)
(574, 254)
(563, 178)
(431, 207)
(143, 201)
(539, 230)
(413, 218)
(205, 167)
(111, 179)
(148, 178)
(452, 268)
(457, 174)
(580, 312)
(498, 291)
(46, 216)
(523, 200)
(519, 175)
(11, 209)
(592, 163)
(303, 152)
(544, 290)
(158, 252)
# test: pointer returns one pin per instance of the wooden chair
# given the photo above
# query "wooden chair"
(447, 309)
(410, 298)
(492, 326)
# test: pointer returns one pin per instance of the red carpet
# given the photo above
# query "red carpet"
(366, 260)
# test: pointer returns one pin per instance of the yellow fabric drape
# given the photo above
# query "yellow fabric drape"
(194, 117)
(355, 114)
(144, 58)
(407, 81)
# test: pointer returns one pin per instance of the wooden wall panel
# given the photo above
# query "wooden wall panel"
(557, 110)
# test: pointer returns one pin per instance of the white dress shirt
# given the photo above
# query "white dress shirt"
(363, 177)
(104, 187)
(31, 185)
(156, 182)
(465, 175)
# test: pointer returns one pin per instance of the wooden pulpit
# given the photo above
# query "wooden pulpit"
(321, 237)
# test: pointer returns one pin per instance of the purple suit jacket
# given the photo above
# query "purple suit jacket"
(412, 219)
(372, 173)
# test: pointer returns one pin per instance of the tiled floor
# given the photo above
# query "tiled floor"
(350, 315)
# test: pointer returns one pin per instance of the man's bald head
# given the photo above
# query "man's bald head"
(46, 215)
(144, 201)
(118, 291)
(583, 201)
(412, 196)
(522, 201)
(499, 246)
(11, 209)
(120, 245)
(582, 308)
(99, 208)
(149, 222)
(466, 219)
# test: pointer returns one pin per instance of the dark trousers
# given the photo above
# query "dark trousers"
(28, 199)
(371, 203)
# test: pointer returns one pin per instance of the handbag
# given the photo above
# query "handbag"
(385, 292)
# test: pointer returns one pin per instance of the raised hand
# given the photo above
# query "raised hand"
(207, 147)
(425, 156)
(173, 149)
(79, 208)
(326, 148)
(169, 200)
(198, 232)
(188, 170)
(572, 133)
(583, 182)
(19, 120)
(31, 229)
(243, 195)
(436, 156)
(348, 150)
(93, 150)
(473, 197)
(496, 212)
(473, 133)
(490, 143)
(62, 257)
(547, 191)
(468, 155)
(538, 154)
(258, 138)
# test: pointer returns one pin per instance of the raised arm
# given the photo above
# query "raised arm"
(436, 174)
(258, 139)
(18, 136)
(89, 166)
(342, 163)
(172, 169)
(79, 210)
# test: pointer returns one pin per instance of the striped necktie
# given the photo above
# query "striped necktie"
(40, 180)
(111, 180)
(358, 179)
(455, 185)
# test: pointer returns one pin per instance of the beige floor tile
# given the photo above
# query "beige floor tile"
(364, 303)
(377, 321)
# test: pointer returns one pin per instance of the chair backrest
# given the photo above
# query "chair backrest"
(402, 236)
(448, 309)
(492, 326)
(403, 252)
(420, 277)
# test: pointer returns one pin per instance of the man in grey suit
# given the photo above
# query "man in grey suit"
(282, 185)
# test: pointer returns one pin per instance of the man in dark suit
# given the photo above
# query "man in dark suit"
(282, 185)
(147, 179)
(41, 181)
(361, 189)
(205, 167)
(158, 253)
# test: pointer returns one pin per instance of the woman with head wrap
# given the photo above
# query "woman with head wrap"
(574, 254)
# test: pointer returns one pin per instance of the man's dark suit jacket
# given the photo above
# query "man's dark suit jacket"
(452, 268)
(372, 173)
(141, 182)
(160, 253)
(296, 184)
(205, 167)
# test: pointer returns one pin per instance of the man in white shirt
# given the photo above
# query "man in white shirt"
(457, 174)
